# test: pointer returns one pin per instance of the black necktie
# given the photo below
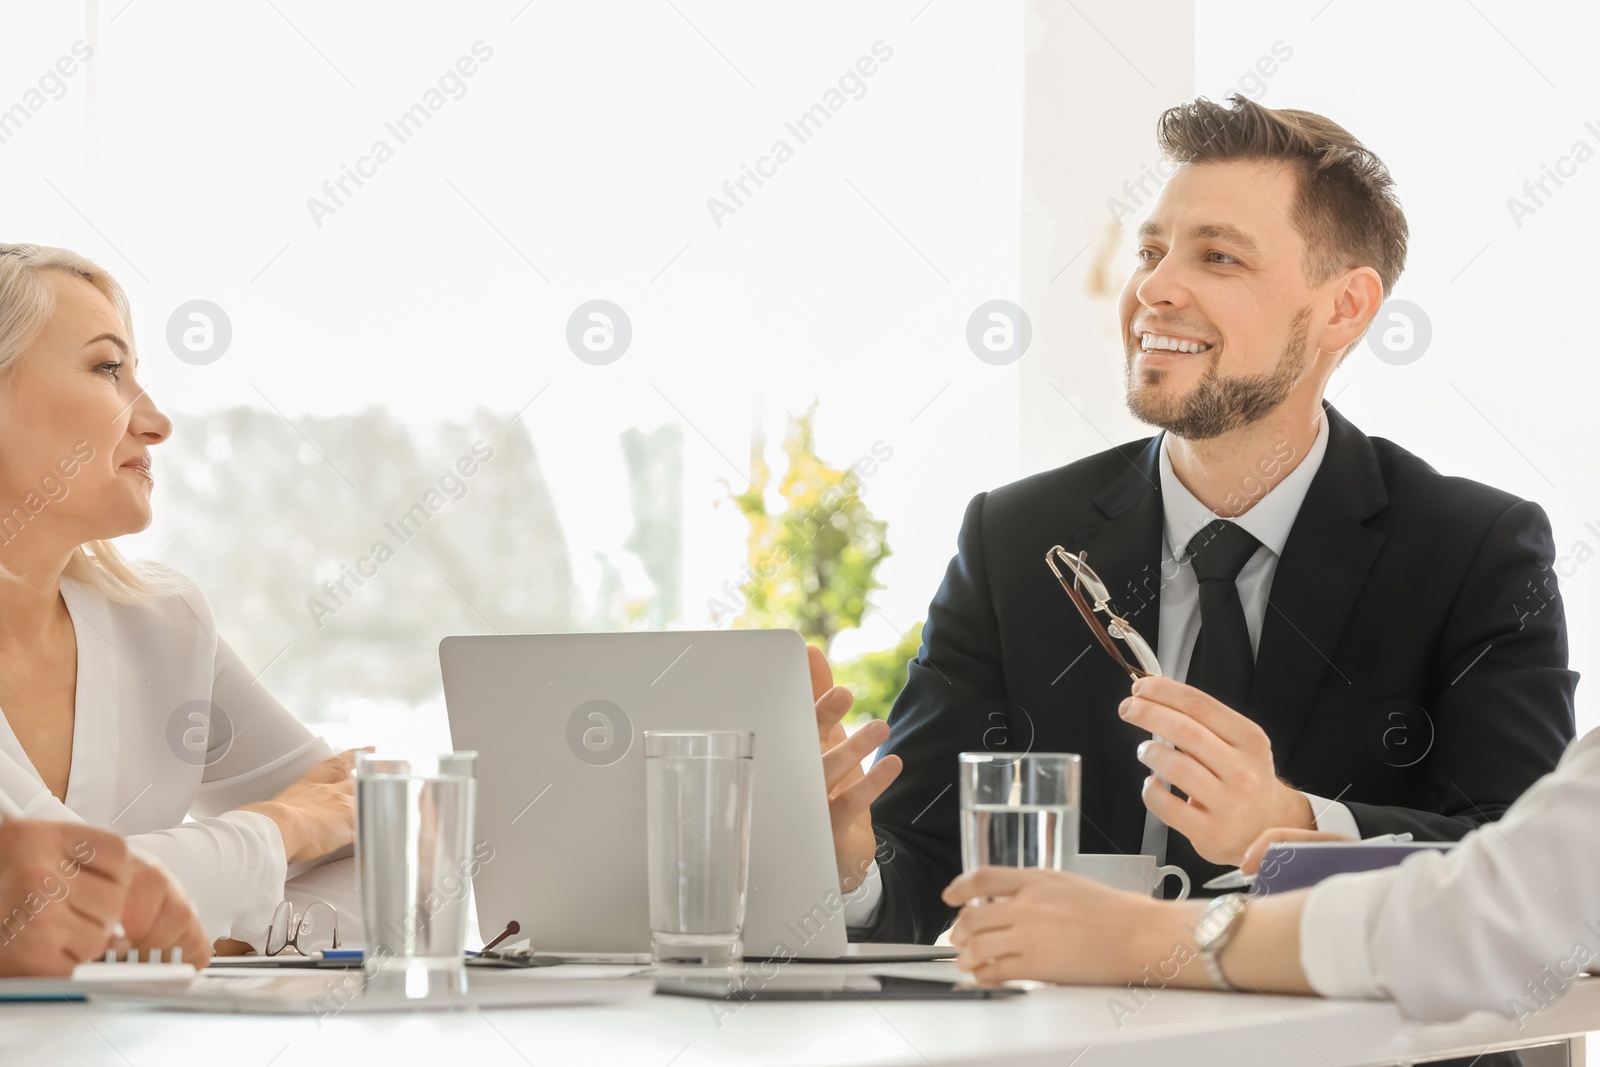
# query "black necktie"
(1223, 661)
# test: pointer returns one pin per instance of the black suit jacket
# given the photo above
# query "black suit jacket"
(1412, 663)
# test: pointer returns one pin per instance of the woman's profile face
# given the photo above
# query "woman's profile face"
(78, 429)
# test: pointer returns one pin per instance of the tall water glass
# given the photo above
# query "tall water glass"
(698, 821)
(414, 826)
(1019, 811)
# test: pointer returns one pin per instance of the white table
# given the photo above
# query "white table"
(1052, 1026)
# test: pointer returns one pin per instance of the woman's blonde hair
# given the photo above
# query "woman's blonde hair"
(27, 300)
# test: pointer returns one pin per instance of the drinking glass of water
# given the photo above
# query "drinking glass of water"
(414, 824)
(698, 839)
(1019, 811)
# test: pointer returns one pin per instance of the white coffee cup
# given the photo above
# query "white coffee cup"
(1136, 874)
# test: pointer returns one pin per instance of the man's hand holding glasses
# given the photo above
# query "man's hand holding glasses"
(1220, 759)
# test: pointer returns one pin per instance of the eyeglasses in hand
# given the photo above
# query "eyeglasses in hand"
(1084, 579)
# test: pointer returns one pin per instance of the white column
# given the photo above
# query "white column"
(1098, 73)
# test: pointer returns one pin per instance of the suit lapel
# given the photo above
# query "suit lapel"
(1125, 551)
(1322, 570)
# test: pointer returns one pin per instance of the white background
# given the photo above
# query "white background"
(578, 164)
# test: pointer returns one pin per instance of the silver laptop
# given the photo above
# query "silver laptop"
(556, 720)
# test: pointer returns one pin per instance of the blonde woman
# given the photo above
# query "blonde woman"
(120, 705)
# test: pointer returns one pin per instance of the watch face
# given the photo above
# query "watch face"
(1216, 918)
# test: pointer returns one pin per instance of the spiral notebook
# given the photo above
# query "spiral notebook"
(89, 976)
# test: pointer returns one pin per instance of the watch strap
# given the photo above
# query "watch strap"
(1216, 928)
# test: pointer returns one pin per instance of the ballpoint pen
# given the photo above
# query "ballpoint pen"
(1237, 879)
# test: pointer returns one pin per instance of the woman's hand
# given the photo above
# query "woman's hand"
(1251, 863)
(62, 887)
(316, 815)
(1052, 926)
(158, 915)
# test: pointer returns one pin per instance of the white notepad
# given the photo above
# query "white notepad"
(331, 993)
(87, 976)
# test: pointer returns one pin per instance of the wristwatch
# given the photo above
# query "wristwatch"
(1215, 928)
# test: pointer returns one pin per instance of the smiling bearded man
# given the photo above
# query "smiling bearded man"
(1340, 644)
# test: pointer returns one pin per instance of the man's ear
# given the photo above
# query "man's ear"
(1357, 296)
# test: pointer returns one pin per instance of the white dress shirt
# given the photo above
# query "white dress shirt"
(148, 750)
(1268, 521)
(1503, 922)
(1183, 515)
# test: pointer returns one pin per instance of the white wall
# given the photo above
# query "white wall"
(1465, 102)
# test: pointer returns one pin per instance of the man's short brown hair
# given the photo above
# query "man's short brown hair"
(1346, 210)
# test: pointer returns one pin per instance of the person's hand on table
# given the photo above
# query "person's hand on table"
(71, 881)
(850, 792)
(1221, 760)
(1251, 863)
(158, 915)
(317, 814)
(1050, 926)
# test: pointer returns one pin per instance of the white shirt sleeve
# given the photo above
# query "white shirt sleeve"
(1332, 817)
(1503, 922)
(257, 748)
(8, 807)
(232, 862)
(232, 867)
(861, 903)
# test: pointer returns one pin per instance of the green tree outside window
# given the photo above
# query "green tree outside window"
(813, 565)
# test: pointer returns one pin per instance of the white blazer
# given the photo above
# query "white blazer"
(1505, 921)
(171, 724)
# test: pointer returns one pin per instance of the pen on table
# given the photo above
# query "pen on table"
(1237, 879)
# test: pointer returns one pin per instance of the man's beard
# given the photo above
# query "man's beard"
(1218, 405)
